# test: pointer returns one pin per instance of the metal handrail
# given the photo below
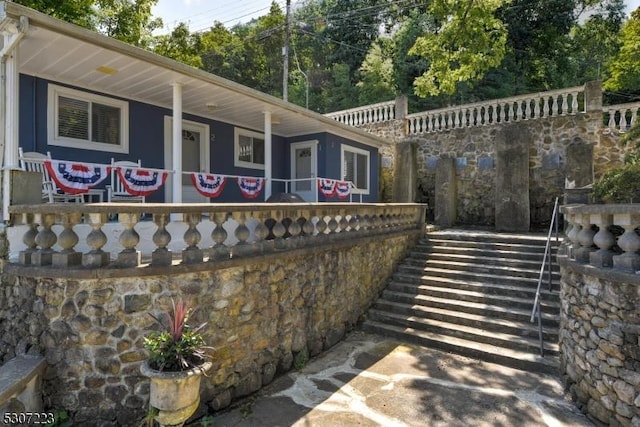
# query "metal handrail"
(546, 260)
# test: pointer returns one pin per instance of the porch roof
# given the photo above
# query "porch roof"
(63, 52)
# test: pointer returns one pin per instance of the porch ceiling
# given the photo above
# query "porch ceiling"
(53, 49)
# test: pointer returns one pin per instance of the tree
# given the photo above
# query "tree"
(625, 66)
(468, 42)
(180, 45)
(129, 21)
(376, 77)
(79, 12)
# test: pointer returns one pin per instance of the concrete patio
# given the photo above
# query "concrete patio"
(368, 380)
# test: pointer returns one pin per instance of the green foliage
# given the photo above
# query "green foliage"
(79, 12)
(180, 45)
(469, 41)
(619, 185)
(376, 77)
(625, 67)
(178, 347)
(300, 359)
(127, 20)
(60, 419)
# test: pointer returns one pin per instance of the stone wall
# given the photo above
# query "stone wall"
(600, 341)
(474, 151)
(263, 314)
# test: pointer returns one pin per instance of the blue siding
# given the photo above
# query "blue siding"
(146, 142)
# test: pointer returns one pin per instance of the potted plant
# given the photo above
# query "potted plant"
(177, 359)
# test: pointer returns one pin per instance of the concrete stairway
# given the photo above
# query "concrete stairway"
(472, 293)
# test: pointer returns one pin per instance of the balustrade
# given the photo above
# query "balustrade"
(591, 238)
(524, 107)
(236, 230)
(374, 113)
(621, 117)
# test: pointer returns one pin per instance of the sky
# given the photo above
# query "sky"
(201, 14)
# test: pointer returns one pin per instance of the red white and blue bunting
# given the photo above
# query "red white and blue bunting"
(74, 177)
(250, 187)
(141, 182)
(343, 189)
(327, 187)
(209, 185)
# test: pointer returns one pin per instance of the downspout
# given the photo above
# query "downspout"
(9, 149)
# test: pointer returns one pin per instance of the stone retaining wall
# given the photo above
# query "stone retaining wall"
(474, 150)
(600, 341)
(264, 315)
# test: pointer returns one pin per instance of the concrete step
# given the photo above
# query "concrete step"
(505, 277)
(420, 258)
(513, 327)
(456, 288)
(490, 353)
(425, 302)
(471, 333)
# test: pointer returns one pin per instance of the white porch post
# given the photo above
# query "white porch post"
(267, 154)
(11, 141)
(176, 143)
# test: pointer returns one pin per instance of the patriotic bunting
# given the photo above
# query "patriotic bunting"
(250, 187)
(327, 187)
(343, 189)
(209, 185)
(141, 182)
(76, 178)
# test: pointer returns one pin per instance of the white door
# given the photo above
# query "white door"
(304, 166)
(195, 156)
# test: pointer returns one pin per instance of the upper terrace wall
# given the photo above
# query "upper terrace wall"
(574, 140)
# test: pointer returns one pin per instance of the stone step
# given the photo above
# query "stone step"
(480, 268)
(425, 302)
(471, 333)
(513, 327)
(480, 298)
(525, 248)
(429, 250)
(420, 258)
(527, 239)
(429, 285)
(506, 277)
(490, 353)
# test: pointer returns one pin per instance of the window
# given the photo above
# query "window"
(355, 168)
(249, 149)
(85, 120)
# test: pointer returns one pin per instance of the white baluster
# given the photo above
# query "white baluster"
(519, 110)
(536, 107)
(623, 120)
(545, 106)
(574, 102)
(486, 115)
(527, 110)
(565, 105)
(612, 120)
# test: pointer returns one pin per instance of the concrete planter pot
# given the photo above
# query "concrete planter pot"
(175, 395)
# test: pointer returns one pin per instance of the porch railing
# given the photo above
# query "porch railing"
(517, 108)
(51, 231)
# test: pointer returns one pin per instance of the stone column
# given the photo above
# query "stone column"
(445, 208)
(593, 96)
(405, 173)
(512, 178)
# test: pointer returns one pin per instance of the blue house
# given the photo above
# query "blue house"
(85, 97)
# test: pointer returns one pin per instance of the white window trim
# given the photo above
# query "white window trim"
(355, 150)
(237, 132)
(52, 120)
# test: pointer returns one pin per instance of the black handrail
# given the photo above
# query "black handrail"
(546, 260)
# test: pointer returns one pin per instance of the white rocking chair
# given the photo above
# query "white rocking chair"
(32, 161)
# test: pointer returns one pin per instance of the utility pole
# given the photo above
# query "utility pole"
(285, 54)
